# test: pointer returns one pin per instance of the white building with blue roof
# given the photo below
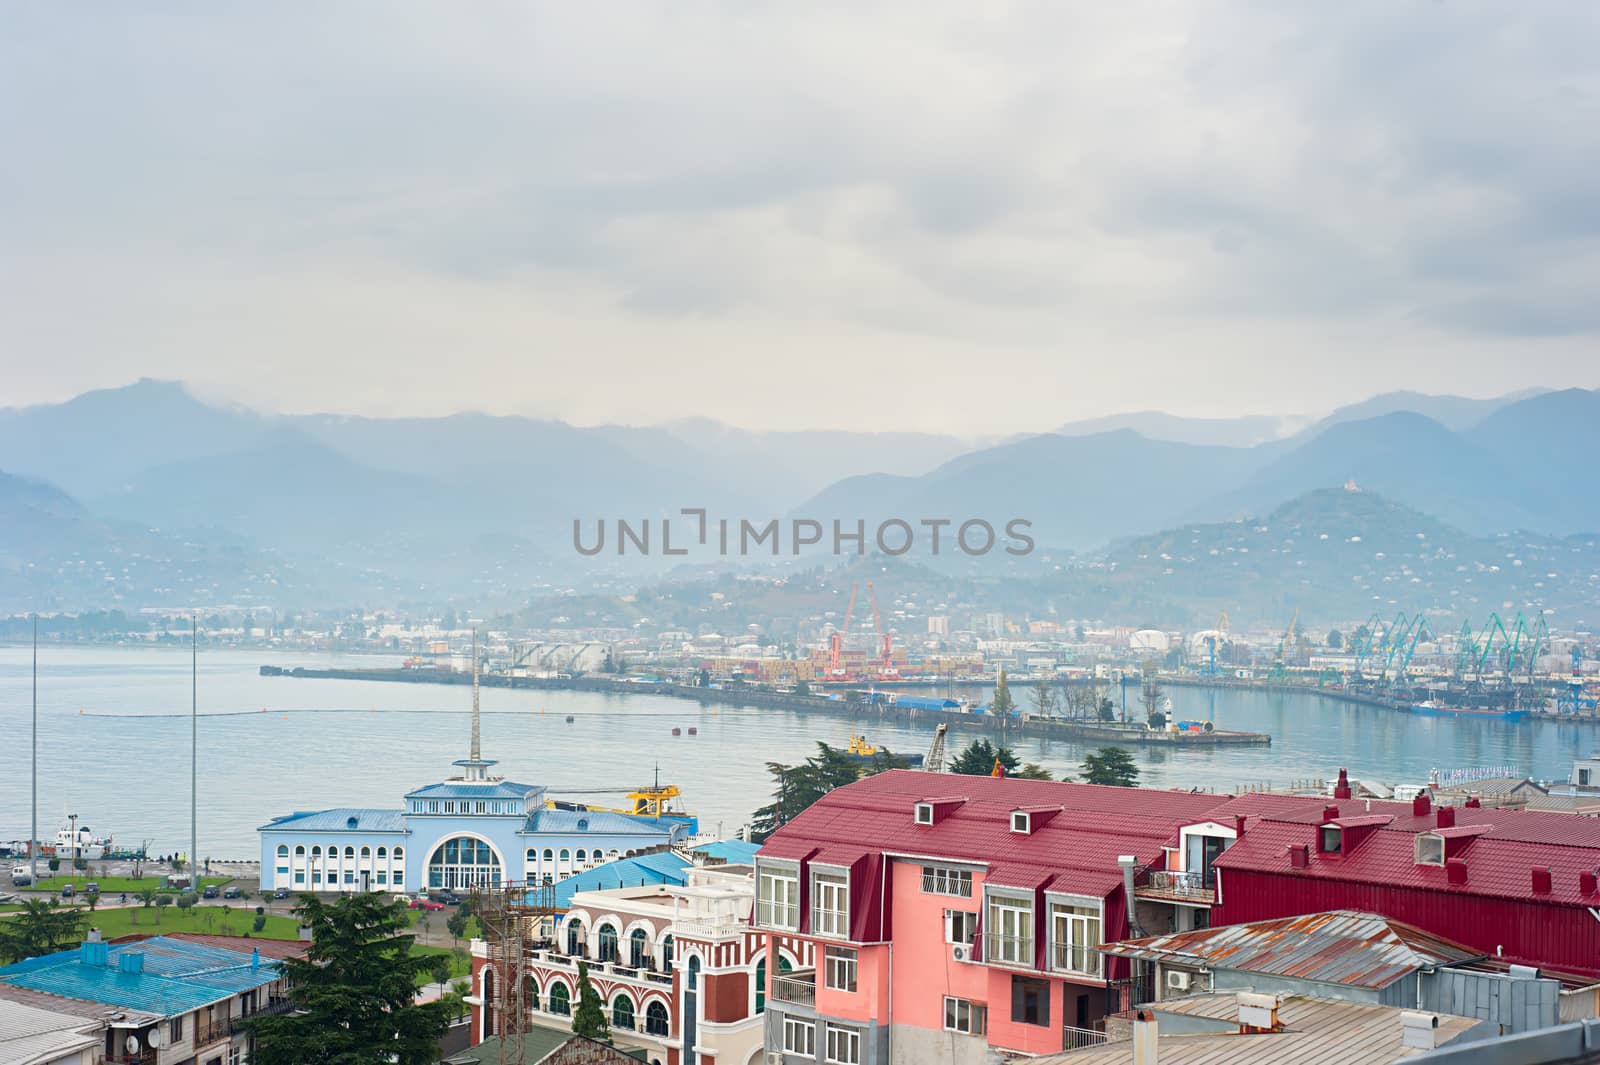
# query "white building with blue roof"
(472, 830)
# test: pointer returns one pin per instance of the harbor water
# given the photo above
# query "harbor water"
(114, 743)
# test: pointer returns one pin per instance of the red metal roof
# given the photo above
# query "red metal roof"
(1075, 851)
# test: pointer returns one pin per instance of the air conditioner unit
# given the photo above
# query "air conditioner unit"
(774, 1057)
(960, 952)
(1177, 980)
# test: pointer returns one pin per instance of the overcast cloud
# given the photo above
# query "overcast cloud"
(968, 217)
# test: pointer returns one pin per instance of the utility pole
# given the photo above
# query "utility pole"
(33, 844)
(194, 748)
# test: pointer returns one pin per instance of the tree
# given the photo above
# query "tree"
(978, 758)
(1110, 765)
(54, 864)
(1151, 696)
(1108, 709)
(441, 969)
(1034, 771)
(259, 923)
(798, 786)
(589, 1019)
(41, 926)
(187, 899)
(456, 924)
(162, 902)
(1003, 704)
(1044, 697)
(354, 992)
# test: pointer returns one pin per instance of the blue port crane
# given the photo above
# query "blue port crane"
(1419, 626)
(1366, 640)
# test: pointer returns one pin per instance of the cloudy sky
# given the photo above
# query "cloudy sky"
(968, 217)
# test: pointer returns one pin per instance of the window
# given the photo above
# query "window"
(283, 850)
(299, 852)
(549, 857)
(582, 857)
(299, 876)
(960, 926)
(1030, 1001)
(349, 854)
(283, 870)
(622, 1013)
(844, 1045)
(1583, 777)
(638, 949)
(575, 937)
(938, 880)
(479, 808)
(175, 1031)
(923, 813)
(560, 1000)
(666, 952)
(608, 942)
(830, 905)
(449, 807)
(316, 876)
(1010, 935)
(1328, 839)
(1076, 934)
(233, 1054)
(1430, 849)
(383, 877)
(655, 1019)
(964, 1017)
(778, 899)
(399, 854)
(316, 854)
(566, 857)
(1019, 821)
(800, 1037)
(463, 862)
(383, 852)
(840, 969)
(366, 854)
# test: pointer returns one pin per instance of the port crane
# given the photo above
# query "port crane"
(885, 663)
(836, 641)
(1220, 633)
(1279, 670)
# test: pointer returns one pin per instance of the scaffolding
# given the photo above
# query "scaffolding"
(514, 916)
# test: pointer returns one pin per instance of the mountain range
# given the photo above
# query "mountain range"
(475, 505)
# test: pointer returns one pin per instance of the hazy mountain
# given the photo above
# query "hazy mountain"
(1245, 431)
(1452, 412)
(94, 443)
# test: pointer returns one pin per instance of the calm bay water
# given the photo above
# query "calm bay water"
(272, 745)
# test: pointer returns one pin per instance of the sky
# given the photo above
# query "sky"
(955, 217)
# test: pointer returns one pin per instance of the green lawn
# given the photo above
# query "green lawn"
(458, 967)
(154, 920)
(115, 885)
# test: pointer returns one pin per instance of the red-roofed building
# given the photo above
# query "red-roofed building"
(951, 915)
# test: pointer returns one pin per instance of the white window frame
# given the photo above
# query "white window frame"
(964, 1016)
(964, 917)
(830, 903)
(1000, 943)
(843, 1045)
(944, 880)
(839, 969)
(800, 1037)
(1432, 840)
(1022, 822)
(777, 908)
(922, 813)
(1077, 918)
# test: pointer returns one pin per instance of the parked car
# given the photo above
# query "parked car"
(232, 893)
(91, 888)
(426, 904)
(21, 879)
(449, 898)
(210, 892)
(66, 891)
(281, 893)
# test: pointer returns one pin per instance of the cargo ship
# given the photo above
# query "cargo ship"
(1434, 708)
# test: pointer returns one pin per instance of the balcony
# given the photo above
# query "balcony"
(1176, 887)
(213, 1031)
(798, 987)
(121, 1056)
(1075, 958)
(711, 927)
(1008, 950)
(273, 1008)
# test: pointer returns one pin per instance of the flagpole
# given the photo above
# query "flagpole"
(33, 844)
(194, 750)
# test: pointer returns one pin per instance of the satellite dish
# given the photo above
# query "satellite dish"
(156, 1038)
(132, 1043)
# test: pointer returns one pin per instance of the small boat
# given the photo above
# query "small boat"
(677, 732)
(862, 751)
(1434, 708)
(569, 719)
(693, 731)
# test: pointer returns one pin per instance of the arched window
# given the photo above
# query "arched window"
(530, 994)
(560, 1000)
(761, 980)
(383, 852)
(399, 854)
(283, 850)
(316, 854)
(549, 856)
(583, 856)
(349, 854)
(622, 1013)
(638, 949)
(300, 852)
(531, 857)
(489, 1015)
(666, 952)
(574, 937)
(694, 973)
(613, 856)
(608, 942)
(366, 854)
(655, 1019)
(463, 862)
(566, 856)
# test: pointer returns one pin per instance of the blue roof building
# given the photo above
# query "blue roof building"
(670, 867)
(471, 830)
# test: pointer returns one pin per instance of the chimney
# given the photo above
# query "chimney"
(1299, 855)
(1341, 790)
(1145, 1031)
(1447, 816)
(1128, 861)
(1472, 803)
(1586, 882)
(1541, 880)
(1330, 813)
(255, 958)
(305, 933)
(1258, 1013)
(1455, 871)
(1238, 825)
(1419, 1031)
(1421, 804)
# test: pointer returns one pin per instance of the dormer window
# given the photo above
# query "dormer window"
(1330, 839)
(1430, 849)
(922, 813)
(1021, 821)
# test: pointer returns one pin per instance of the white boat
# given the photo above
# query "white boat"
(80, 842)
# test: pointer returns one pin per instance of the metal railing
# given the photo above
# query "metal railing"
(770, 914)
(121, 1056)
(825, 922)
(713, 928)
(1192, 885)
(1075, 958)
(799, 987)
(213, 1032)
(1007, 950)
(1079, 1038)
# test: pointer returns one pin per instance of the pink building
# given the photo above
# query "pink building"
(945, 916)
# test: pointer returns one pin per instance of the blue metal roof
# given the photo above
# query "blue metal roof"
(662, 867)
(456, 789)
(606, 823)
(344, 819)
(732, 851)
(174, 977)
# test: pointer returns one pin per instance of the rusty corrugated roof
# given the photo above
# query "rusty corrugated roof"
(1338, 947)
